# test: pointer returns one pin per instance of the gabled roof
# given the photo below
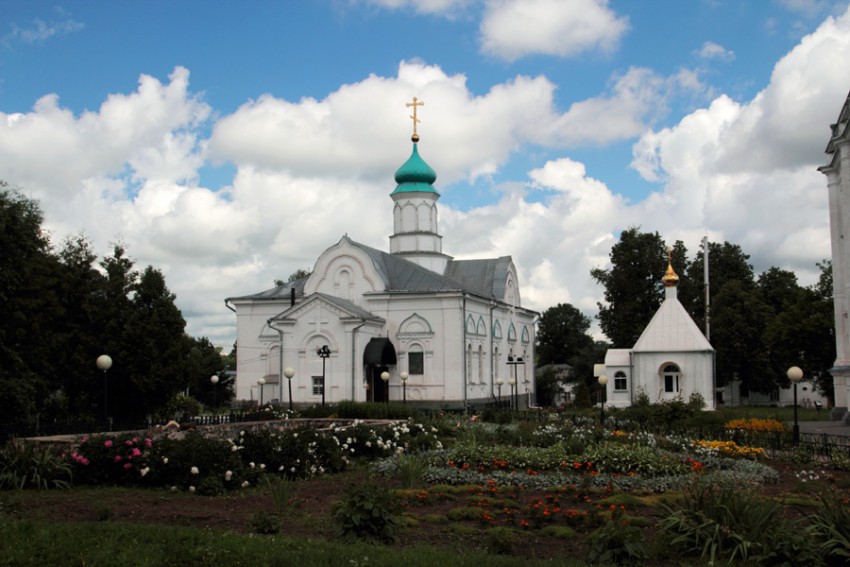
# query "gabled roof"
(672, 330)
(401, 275)
(353, 311)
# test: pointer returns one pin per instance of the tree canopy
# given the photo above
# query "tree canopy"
(64, 309)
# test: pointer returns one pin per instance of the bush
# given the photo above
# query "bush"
(722, 521)
(294, 453)
(26, 465)
(616, 542)
(369, 512)
(830, 526)
(501, 541)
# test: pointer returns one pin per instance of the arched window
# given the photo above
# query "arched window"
(480, 364)
(621, 383)
(671, 375)
(468, 363)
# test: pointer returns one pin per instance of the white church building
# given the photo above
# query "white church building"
(837, 172)
(671, 360)
(441, 331)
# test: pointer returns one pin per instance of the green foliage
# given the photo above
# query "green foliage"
(643, 460)
(27, 465)
(501, 540)
(720, 521)
(616, 542)
(562, 334)
(369, 512)
(265, 523)
(294, 453)
(280, 491)
(411, 470)
(830, 527)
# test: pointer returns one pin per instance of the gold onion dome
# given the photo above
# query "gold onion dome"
(670, 277)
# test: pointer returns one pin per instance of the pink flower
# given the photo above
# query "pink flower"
(135, 439)
(127, 466)
(136, 452)
(108, 443)
(128, 443)
(148, 442)
(117, 458)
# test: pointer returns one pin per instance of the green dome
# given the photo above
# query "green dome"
(415, 175)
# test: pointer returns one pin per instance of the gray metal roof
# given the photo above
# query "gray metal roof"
(485, 277)
(353, 310)
(277, 293)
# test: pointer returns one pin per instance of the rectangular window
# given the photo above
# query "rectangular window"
(671, 383)
(416, 362)
(620, 384)
(317, 385)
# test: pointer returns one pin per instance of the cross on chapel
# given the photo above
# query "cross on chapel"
(414, 104)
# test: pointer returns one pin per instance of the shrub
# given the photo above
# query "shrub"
(616, 542)
(294, 453)
(501, 541)
(411, 470)
(830, 526)
(265, 523)
(722, 521)
(369, 512)
(26, 465)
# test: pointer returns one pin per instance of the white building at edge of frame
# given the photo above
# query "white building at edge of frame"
(837, 173)
(452, 327)
(672, 359)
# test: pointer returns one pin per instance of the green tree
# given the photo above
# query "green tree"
(28, 272)
(561, 334)
(204, 361)
(727, 263)
(633, 288)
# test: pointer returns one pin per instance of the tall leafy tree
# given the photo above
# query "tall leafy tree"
(727, 263)
(204, 361)
(633, 288)
(27, 275)
(561, 334)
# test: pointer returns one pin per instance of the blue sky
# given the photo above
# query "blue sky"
(229, 143)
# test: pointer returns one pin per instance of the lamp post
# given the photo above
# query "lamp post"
(324, 353)
(214, 381)
(385, 376)
(512, 383)
(603, 380)
(289, 373)
(515, 361)
(404, 376)
(104, 363)
(795, 374)
(260, 383)
(499, 383)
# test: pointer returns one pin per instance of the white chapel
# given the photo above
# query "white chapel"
(410, 324)
(671, 360)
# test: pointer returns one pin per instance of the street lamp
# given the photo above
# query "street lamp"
(214, 381)
(512, 383)
(261, 382)
(603, 380)
(515, 361)
(104, 363)
(289, 373)
(795, 374)
(499, 383)
(385, 376)
(324, 353)
(404, 376)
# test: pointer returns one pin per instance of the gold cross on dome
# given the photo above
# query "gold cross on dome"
(414, 104)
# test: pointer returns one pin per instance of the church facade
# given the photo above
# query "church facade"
(410, 324)
(671, 360)
(837, 172)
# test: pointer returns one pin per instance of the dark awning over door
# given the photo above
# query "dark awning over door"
(379, 352)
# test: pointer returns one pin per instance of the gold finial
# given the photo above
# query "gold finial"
(670, 278)
(414, 104)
